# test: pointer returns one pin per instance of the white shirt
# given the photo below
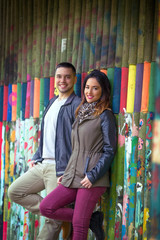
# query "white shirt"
(50, 123)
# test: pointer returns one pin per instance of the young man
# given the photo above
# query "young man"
(51, 158)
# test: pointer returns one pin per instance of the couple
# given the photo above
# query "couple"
(93, 141)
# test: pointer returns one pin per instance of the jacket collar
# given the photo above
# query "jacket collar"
(69, 99)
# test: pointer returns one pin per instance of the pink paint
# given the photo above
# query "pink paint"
(117, 229)
(5, 224)
(11, 100)
(28, 77)
(25, 145)
(121, 140)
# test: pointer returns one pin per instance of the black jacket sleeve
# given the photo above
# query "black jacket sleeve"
(108, 125)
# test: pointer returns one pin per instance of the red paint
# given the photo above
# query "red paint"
(9, 205)
(36, 224)
(25, 145)
(5, 224)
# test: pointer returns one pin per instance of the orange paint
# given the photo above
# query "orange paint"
(145, 87)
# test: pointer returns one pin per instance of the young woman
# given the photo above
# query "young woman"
(93, 148)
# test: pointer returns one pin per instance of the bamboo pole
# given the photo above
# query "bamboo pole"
(48, 39)
(126, 36)
(141, 32)
(120, 32)
(133, 32)
(76, 31)
(70, 30)
(87, 36)
(99, 33)
(106, 30)
(54, 39)
(113, 34)
(92, 57)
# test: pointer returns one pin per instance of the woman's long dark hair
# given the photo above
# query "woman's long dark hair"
(104, 101)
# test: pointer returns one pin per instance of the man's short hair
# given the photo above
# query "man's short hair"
(66, 65)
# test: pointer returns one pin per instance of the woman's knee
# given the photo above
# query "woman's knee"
(45, 209)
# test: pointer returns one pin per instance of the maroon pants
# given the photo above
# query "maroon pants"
(53, 206)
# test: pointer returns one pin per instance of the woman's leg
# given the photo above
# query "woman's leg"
(86, 200)
(53, 205)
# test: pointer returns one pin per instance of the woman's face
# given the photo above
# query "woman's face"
(93, 90)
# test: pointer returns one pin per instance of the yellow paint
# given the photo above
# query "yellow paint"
(145, 219)
(56, 92)
(130, 231)
(12, 136)
(6, 160)
(131, 88)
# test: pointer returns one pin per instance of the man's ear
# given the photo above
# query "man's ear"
(75, 79)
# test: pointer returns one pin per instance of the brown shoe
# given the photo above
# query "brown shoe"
(67, 230)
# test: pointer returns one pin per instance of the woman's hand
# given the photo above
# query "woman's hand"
(86, 183)
(59, 180)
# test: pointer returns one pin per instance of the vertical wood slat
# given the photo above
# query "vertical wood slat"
(131, 88)
(149, 28)
(24, 44)
(29, 39)
(81, 41)
(44, 6)
(113, 34)
(54, 39)
(71, 15)
(141, 32)
(99, 34)
(92, 57)
(133, 32)
(48, 40)
(126, 37)
(38, 39)
(105, 37)
(86, 37)
(120, 32)
(64, 30)
(20, 37)
(76, 32)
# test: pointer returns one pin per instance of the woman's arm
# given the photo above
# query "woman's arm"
(108, 125)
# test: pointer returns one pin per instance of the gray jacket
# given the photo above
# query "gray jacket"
(65, 120)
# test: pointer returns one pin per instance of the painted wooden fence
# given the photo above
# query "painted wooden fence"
(118, 37)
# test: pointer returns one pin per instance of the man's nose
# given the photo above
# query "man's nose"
(63, 79)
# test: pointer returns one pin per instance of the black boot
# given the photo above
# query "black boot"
(95, 225)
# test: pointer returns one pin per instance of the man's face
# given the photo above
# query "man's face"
(65, 80)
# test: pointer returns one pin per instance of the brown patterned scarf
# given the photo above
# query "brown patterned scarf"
(87, 109)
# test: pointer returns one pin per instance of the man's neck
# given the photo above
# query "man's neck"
(64, 95)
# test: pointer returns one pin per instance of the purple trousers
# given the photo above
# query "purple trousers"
(54, 206)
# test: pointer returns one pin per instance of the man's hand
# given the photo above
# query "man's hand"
(86, 183)
(31, 164)
(59, 180)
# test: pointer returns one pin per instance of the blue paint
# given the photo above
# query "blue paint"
(46, 91)
(23, 100)
(1, 103)
(116, 90)
(9, 107)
